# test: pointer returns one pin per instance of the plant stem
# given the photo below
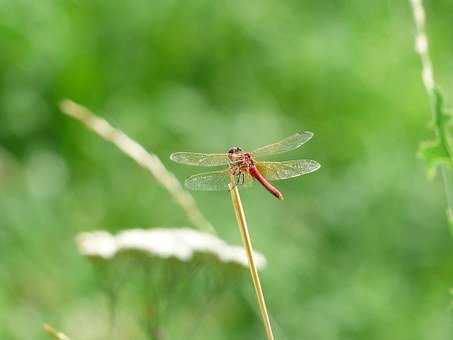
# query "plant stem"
(112, 301)
(240, 216)
(437, 107)
(54, 333)
(151, 306)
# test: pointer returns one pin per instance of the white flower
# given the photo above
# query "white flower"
(180, 243)
(97, 243)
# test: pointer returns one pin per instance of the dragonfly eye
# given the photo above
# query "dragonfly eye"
(234, 150)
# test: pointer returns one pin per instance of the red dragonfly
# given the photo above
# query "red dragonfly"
(243, 168)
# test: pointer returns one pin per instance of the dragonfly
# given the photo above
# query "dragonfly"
(243, 167)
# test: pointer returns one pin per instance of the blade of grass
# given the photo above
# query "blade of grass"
(242, 222)
(145, 159)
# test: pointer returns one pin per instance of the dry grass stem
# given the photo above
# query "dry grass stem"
(54, 333)
(145, 159)
(242, 222)
(421, 44)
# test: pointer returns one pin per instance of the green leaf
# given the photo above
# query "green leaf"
(435, 154)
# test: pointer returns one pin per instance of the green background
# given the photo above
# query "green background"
(358, 250)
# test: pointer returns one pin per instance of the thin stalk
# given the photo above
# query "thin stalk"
(152, 304)
(242, 223)
(112, 304)
(54, 333)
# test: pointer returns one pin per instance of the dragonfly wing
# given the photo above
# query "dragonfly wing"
(216, 180)
(285, 145)
(209, 181)
(200, 159)
(275, 171)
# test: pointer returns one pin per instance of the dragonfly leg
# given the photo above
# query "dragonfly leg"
(240, 178)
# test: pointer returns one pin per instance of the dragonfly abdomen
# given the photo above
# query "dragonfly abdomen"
(254, 172)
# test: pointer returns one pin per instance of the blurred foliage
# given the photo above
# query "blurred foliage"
(359, 249)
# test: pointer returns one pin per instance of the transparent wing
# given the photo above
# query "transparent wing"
(200, 159)
(275, 171)
(216, 180)
(285, 145)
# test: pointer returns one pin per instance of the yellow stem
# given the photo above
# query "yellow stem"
(54, 333)
(240, 216)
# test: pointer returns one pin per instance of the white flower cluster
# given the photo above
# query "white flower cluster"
(180, 243)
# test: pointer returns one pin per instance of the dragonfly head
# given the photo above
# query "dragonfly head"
(233, 152)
